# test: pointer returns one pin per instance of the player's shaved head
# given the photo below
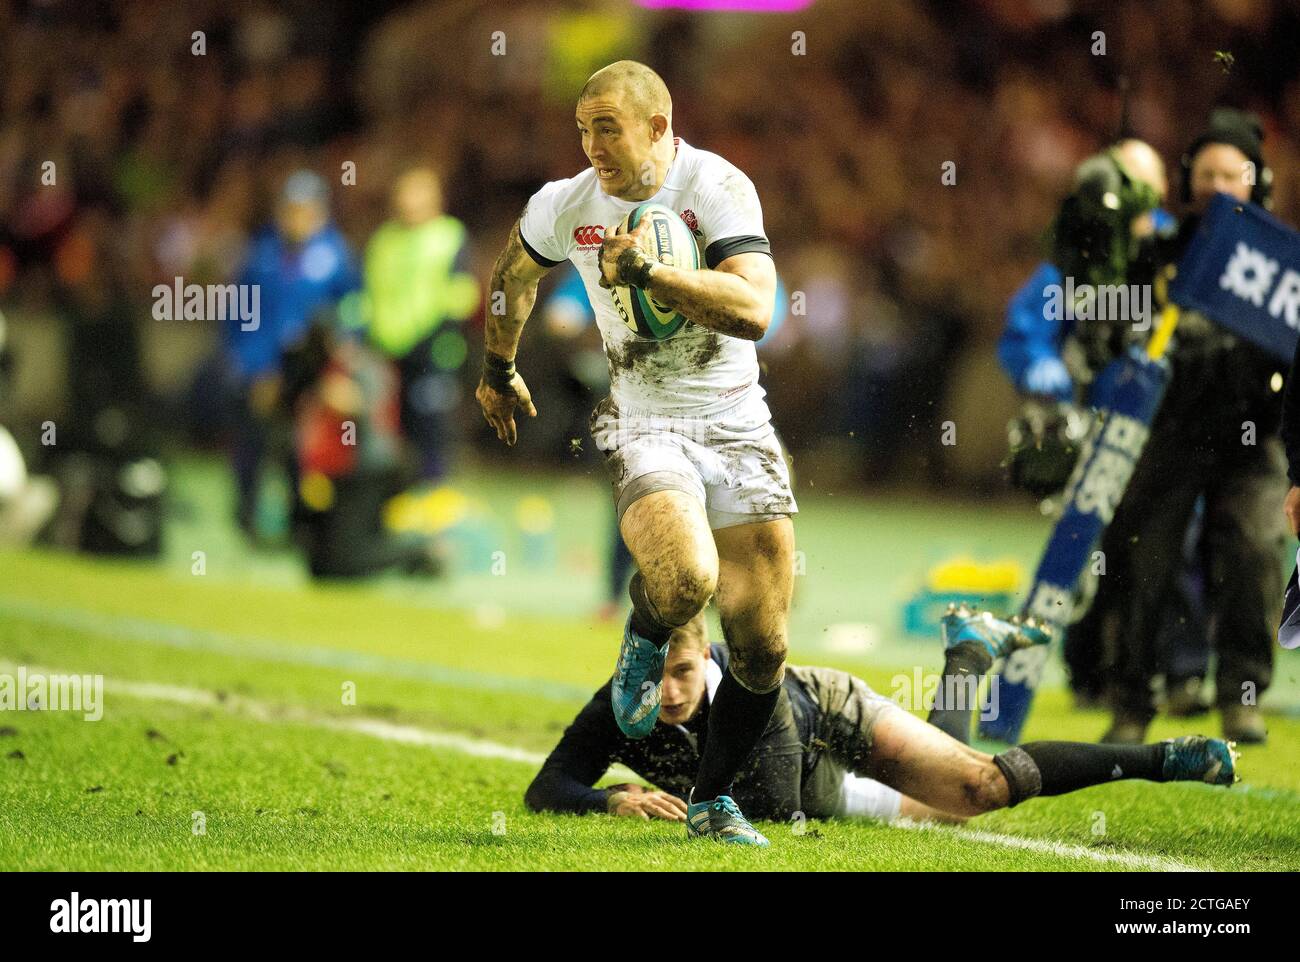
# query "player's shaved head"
(624, 116)
(1142, 162)
(635, 85)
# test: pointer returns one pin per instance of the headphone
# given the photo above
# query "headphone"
(1261, 192)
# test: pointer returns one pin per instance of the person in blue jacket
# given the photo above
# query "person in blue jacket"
(300, 265)
(1031, 353)
(1032, 342)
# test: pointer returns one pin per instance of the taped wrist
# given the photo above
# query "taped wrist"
(1022, 774)
(498, 372)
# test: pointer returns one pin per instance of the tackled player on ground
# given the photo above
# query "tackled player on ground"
(834, 748)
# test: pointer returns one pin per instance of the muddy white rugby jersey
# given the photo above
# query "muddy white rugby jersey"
(697, 371)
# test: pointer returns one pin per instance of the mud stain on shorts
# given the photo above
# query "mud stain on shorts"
(605, 407)
(781, 497)
(768, 462)
(616, 465)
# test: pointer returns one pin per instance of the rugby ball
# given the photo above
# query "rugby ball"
(670, 242)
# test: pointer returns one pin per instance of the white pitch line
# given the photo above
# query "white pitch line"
(1154, 863)
(376, 728)
(483, 748)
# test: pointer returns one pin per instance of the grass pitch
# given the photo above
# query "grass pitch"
(228, 742)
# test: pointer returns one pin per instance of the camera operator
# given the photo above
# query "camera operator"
(1214, 437)
(1104, 233)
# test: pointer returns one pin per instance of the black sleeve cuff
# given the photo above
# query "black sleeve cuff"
(595, 802)
(720, 250)
(544, 261)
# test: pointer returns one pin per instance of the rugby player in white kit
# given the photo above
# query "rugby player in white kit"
(701, 486)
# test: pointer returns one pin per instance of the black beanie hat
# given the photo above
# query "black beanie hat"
(1234, 127)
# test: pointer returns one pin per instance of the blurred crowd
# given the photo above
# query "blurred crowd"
(144, 141)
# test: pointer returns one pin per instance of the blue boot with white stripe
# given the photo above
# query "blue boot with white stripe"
(1195, 758)
(720, 820)
(638, 683)
(998, 636)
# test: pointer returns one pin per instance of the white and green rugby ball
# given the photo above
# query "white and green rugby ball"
(670, 242)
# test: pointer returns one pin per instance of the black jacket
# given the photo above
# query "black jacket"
(767, 787)
(1218, 382)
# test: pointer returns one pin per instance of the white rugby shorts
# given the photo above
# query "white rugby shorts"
(731, 461)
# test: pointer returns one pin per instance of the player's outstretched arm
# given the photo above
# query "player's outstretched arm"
(583, 755)
(734, 298)
(511, 294)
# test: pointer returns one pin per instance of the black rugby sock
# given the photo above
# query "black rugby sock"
(956, 700)
(737, 718)
(1069, 766)
(645, 617)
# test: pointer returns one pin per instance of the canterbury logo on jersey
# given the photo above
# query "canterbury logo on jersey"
(589, 236)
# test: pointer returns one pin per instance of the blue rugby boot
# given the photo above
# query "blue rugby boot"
(1195, 758)
(638, 683)
(997, 636)
(720, 820)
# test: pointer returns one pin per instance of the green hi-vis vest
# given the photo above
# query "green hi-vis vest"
(411, 286)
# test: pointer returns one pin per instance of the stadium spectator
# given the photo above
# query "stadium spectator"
(26, 501)
(344, 399)
(300, 266)
(418, 284)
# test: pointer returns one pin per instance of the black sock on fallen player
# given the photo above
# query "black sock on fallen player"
(645, 617)
(1054, 768)
(956, 700)
(737, 718)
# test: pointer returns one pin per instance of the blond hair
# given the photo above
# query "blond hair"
(694, 635)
